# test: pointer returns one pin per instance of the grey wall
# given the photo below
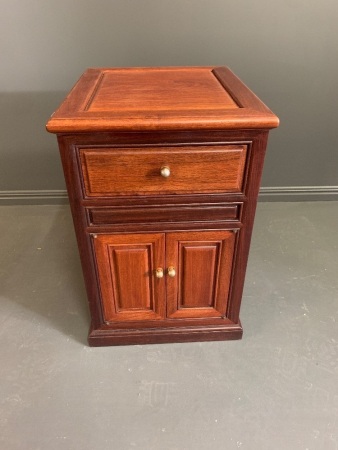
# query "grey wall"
(286, 51)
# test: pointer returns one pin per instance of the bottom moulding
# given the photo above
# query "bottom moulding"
(105, 337)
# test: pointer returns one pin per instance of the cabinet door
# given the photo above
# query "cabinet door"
(199, 283)
(126, 267)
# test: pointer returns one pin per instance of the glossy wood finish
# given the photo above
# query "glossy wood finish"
(181, 98)
(127, 273)
(203, 262)
(154, 331)
(195, 169)
(167, 213)
(202, 226)
(178, 88)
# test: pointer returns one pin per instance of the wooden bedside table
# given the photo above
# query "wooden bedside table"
(162, 167)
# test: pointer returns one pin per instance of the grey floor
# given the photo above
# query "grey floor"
(275, 389)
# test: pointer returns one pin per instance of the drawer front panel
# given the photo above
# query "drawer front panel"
(191, 169)
(111, 215)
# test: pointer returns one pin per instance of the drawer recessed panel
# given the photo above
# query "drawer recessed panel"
(111, 215)
(145, 171)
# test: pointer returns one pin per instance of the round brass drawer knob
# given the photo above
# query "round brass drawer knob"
(171, 271)
(159, 272)
(165, 171)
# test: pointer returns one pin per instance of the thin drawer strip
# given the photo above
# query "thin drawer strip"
(116, 215)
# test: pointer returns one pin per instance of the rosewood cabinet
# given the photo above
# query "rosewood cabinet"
(162, 167)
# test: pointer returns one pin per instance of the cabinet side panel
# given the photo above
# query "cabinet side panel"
(254, 173)
(71, 171)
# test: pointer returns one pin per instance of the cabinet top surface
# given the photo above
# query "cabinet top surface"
(167, 98)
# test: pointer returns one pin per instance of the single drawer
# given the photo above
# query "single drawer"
(167, 213)
(163, 170)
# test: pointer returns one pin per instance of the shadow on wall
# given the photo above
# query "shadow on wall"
(29, 155)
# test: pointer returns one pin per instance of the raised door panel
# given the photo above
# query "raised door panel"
(203, 265)
(126, 267)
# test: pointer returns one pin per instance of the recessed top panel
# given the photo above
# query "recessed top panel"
(159, 90)
(168, 98)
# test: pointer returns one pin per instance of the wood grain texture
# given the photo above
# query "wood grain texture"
(213, 131)
(130, 291)
(126, 268)
(184, 333)
(146, 214)
(139, 90)
(68, 148)
(198, 265)
(131, 171)
(254, 175)
(204, 264)
(181, 98)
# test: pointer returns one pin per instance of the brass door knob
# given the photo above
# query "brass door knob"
(165, 171)
(171, 271)
(159, 272)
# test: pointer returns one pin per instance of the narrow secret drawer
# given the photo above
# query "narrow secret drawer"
(163, 170)
(115, 215)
